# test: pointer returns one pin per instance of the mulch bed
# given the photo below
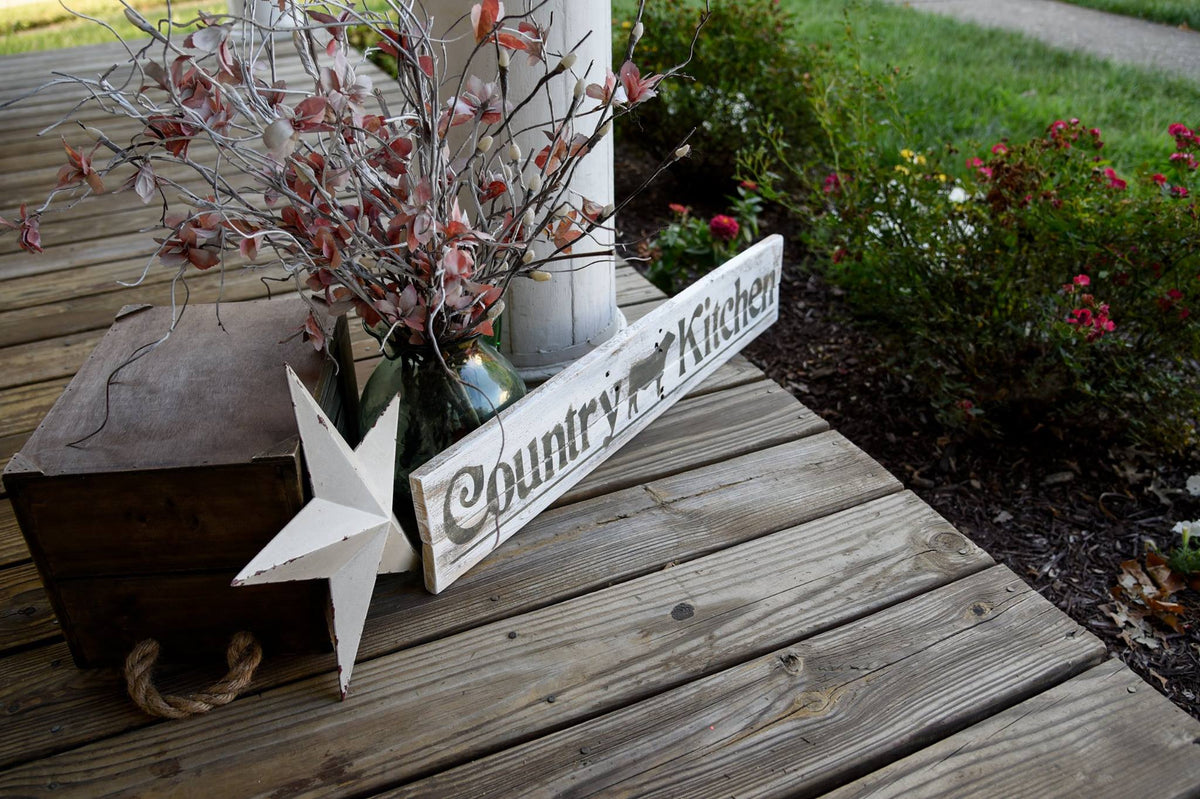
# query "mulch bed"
(1062, 513)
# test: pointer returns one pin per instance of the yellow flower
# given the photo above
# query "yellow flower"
(942, 178)
(920, 159)
(907, 154)
(626, 24)
(902, 168)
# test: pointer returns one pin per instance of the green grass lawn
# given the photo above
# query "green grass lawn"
(46, 25)
(1169, 12)
(973, 84)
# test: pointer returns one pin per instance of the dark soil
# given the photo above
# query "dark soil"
(1062, 513)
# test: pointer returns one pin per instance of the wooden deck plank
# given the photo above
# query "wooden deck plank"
(633, 288)
(80, 265)
(12, 545)
(802, 719)
(120, 219)
(48, 359)
(688, 436)
(25, 614)
(460, 697)
(700, 431)
(22, 407)
(563, 553)
(96, 312)
(1105, 734)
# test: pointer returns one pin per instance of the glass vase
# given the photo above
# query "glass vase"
(439, 404)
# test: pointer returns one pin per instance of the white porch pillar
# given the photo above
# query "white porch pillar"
(547, 325)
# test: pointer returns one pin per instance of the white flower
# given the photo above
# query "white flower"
(1193, 485)
(1186, 528)
(958, 195)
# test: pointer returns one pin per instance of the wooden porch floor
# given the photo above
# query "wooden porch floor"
(738, 603)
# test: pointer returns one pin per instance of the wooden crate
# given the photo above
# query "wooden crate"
(138, 531)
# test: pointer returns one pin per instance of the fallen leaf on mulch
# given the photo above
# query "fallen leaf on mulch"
(1135, 629)
(1143, 594)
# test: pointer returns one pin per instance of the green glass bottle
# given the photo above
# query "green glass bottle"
(439, 404)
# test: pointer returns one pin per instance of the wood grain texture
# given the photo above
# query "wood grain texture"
(632, 288)
(802, 719)
(1105, 734)
(96, 311)
(636, 311)
(699, 431)
(25, 613)
(23, 407)
(12, 544)
(562, 554)
(591, 654)
(47, 359)
(120, 219)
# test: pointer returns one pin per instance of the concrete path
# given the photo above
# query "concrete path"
(1110, 36)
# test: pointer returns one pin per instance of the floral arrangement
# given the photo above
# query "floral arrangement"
(417, 213)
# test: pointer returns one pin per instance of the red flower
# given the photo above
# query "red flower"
(749, 185)
(833, 182)
(1114, 182)
(1081, 317)
(723, 228)
(1082, 280)
(1180, 131)
(1179, 191)
(974, 163)
(1188, 159)
(676, 208)
(30, 237)
(999, 149)
(1159, 178)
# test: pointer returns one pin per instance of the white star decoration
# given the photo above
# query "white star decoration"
(347, 533)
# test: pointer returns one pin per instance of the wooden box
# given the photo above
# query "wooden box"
(138, 531)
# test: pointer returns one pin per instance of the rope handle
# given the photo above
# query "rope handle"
(243, 656)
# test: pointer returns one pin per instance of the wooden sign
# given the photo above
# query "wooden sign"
(475, 495)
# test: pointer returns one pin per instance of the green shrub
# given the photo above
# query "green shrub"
(691, 246)
(1041, 289)
(746, 68)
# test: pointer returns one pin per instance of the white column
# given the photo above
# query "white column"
(546, 325)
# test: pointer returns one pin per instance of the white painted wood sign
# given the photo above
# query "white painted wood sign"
(479, 492)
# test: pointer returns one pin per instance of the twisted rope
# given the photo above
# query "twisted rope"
(243, 656)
